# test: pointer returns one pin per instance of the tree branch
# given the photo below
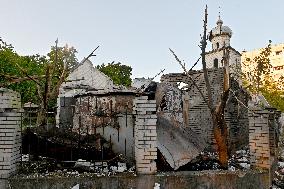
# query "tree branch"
(26, 74)
(14, 79)
(189, 76)
(53, 66)
(55, 90)
(195, 64)
(203, 50)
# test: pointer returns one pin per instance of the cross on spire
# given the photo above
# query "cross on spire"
(219, 21)
(219, 13)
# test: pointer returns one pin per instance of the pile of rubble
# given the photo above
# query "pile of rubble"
(209, 161)
(204, 161)
(239, 160)
(278, 180)
(81, 168)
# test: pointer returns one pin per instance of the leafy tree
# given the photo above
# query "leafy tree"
(60, 62)
(12, 77)
(258, 74)
(275, 98)
(62, 55)
(37, 78)
(258, 79)
(119, 73)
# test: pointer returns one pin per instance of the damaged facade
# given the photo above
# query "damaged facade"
(89, 103)
(107, 114)
(197, 114)
(150, 117)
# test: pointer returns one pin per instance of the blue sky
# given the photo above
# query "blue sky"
(137, 32)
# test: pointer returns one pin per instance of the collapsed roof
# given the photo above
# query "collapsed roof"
(85, 78)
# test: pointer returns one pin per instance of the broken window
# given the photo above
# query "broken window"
(182, 85)
(163, 104)
(215, 63)
(278, 52)
(278, 68)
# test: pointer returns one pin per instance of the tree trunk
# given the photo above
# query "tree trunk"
(220, 128)
(220, 131)
(41, 116)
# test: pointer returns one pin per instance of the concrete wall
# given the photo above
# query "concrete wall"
(10, 133)
(178, 180)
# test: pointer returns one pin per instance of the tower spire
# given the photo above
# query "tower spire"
(219, 13)
(219, 21)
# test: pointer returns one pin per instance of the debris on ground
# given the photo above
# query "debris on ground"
(84, 165)
(121, 167)
(48, 167)
(208, 160)
(204, 161)
(25, 157)
(76, 186)
(278, 180)
(157, 186)
(240, 160)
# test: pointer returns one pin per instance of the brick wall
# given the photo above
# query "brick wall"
(10, 133)
(145, 135)
(263, 129)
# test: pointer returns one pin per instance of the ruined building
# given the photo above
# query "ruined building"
(150, 117)
(196, 113)
(89, 103)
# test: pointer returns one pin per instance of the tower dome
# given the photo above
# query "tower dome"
(220, 30)
(220, 37)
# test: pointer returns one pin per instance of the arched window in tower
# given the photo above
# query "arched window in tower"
(215, 63)
(217, 45)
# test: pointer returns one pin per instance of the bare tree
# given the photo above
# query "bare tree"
(49, 90)
(220, 129)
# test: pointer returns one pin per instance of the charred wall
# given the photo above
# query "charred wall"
(110, 116)
(199, 118)
(66, 111)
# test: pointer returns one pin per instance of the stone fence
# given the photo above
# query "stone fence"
(173, 180)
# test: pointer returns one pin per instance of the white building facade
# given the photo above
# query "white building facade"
(220, 37)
